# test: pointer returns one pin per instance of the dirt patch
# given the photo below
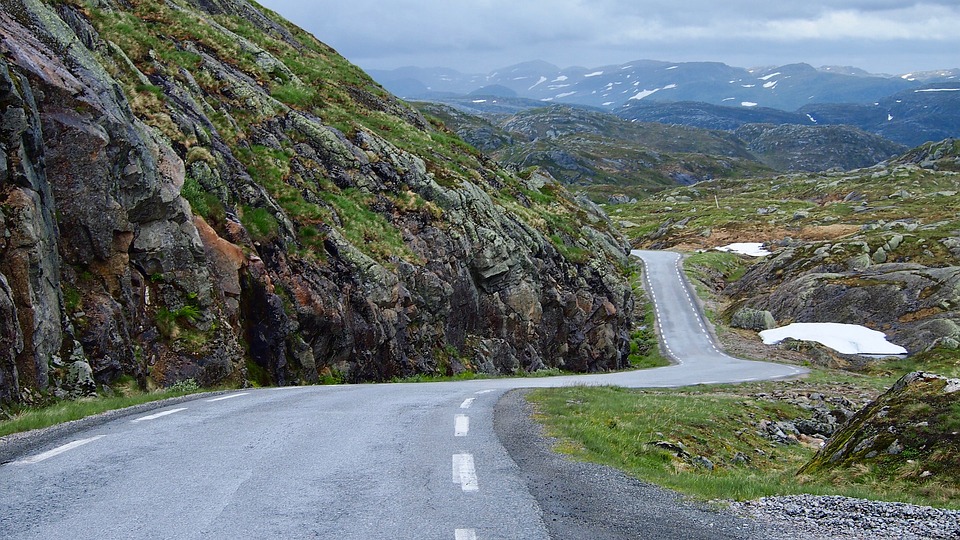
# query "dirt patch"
(748, 345)
(750, 233)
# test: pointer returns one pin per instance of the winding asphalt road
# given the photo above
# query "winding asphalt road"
(398, 461)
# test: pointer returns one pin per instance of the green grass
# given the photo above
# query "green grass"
(617, 427)
(27, 419)
(728, 265)
(644, 347)
(260, 223)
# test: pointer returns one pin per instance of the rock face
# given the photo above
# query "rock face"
(173, 206)
(915, 305)
(916, 420)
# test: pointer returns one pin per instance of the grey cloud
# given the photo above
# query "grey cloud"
(485, 34)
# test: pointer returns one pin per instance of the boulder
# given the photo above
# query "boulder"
(753, 319)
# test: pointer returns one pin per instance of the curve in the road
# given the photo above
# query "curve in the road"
(347, 462)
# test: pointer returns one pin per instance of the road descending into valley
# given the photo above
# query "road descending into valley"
(352, 462)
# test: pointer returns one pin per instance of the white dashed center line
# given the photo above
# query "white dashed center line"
(464, 472)
(465, 534)
(461, 425)
(467, 403)
(57, 451)
(231, 396)
(158, 415)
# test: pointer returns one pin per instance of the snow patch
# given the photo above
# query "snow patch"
(748, 104)
(560, 78)
(644, 93)
(768, 77)
(729, 99)
(843, 338)
(563, 95)
(594, 74)
(748, 85)
(669, 87)
(889, 117)
(608, 103)
(541, 81)
(772, 84)
(812, 119)
(479, 101)
(753, 249)
(672, 67)
(938, 90)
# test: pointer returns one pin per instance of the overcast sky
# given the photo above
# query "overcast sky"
(476, 36)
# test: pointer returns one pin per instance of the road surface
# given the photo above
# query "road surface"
(397, 461)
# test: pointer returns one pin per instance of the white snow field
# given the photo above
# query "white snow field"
(843, 338)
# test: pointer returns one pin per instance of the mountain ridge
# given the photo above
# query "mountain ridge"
(613, 86)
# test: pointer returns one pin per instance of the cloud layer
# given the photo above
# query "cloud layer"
(479, 35)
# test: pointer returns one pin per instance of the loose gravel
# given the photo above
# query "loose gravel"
(809, 517)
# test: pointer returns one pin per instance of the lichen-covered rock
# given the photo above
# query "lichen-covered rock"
(909, 432)
(913, 304)
(11, 340)
(753, 319)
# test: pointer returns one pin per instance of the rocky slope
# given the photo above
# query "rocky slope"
(816, 148)
(910, 432)
(198, 189)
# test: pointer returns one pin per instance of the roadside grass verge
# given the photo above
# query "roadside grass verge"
(642, 432)
(29, 418)
(644, 347)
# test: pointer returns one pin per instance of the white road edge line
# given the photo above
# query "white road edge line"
(484, 392)
(464, 472)
(461, 425)
(158, 415)
(231, 396)
(56, 451)
(467, 403)
(465, 534)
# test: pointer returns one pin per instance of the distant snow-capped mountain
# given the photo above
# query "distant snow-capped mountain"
(786, 87)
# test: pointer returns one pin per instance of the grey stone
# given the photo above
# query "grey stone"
(703, 463)
(879, 256)
(79, 380)
(753, 319)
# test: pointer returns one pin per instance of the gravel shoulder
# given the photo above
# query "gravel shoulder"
(581, 501)
(810, 517)
(585, 501)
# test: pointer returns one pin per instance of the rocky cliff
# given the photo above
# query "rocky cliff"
(908, 433)
(198, 189)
